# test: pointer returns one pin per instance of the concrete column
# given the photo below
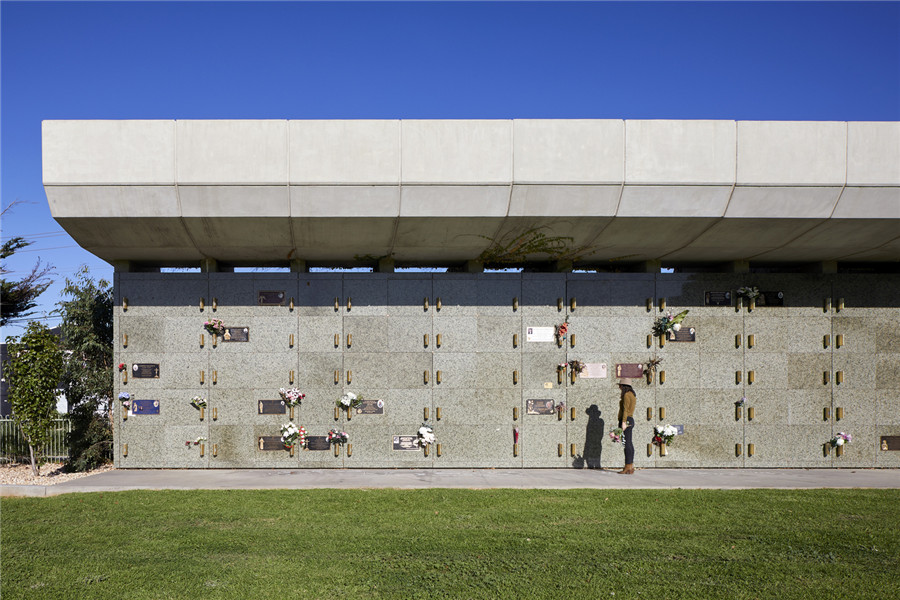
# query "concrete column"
(211, 265)
(298, 265)
(122, 266)
(738, 266)
(826, 267)
(562, 266)
(649, 266)
(474, 266)
(385, 265)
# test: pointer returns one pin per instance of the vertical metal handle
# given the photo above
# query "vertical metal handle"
(349, 413)
(649, 340)
(662, 305)
(572, 376)
(349, 449)
(202, 377)
(292, 303)
(337, 450)
(515, 377)
(125, 340)
(438, 303)
(839, 413)
(425, 413)
(349, 304)
(825, 340)
(573, 304)
(737, 377)
(826, 414)
(649, 449)
(337, 413)
(572, 340)
(425, 340)
(572, 414)
(649, 304)
(840, 304)
(349, 340)
(515, 303)
(425, 303)
(125, 376)
(751, 449)
(573, 449)
(215, 449)
(559, 376)
(515, 340)
(515, 449)
(738, 413)
(202, 411)
(124, 304)
(439, 449)
(738, 449)
(202, 303)
(737, 341)
(202, 448)
(438, 376)
(215, 340)
(826, 305)
(291, 378)
(751, 413)
(202, 340)
(559, 449)
(215, 413)
(838, 340)
(751, 376)
(291, 341)
(559, 304)
(425, 376)
(662, 340)
(662, 413)
(649, 413)
(826, 377)
(437, 413)
(215, 303)
(439, 340)
(662, 377)
(839, 377)
(124, 449)
(751, 340)
(337, 376)
(292, 413)
(349, 376)
(337, 303)
(215, 377)
(337, 340)
(515, 413)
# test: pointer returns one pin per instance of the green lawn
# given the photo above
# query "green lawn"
(453, 544)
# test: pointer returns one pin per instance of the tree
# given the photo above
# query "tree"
(33, 369)
(17, 298)
(87, 331)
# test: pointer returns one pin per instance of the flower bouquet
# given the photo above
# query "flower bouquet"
(576, 365)
(349, 400)
(840, 439)
(215, 326)
(663, 434)
(663, 325)
(562, 330)
(292, 396)
(291, 435)
(652, 365)
(336, 436)
(749, 292)
(426, 435)
(742, 402)
(121, 367)
(125, 399)
(617, 435)
(198, 402)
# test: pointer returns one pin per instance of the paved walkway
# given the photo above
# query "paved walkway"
(557, 479)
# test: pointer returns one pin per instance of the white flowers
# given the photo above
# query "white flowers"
(291, 396)
(348, 398)
(663, 434)
(426, 435)
(198, 401)
(292, 435)
(841, 438)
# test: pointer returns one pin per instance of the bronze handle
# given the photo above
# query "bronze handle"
(572, 340)
(751, 449)
(292, 413)
(438, 376)
(291, 342)
(572, 414)
(840, 304)
(559, 376)
(202, 377)
(202, 410)
(662, 413)
(751, 340)
(662, 377)
(838, 340)
(215, 449)
(124, 304)
(515, 377)
(515, 413)
(425, 340)
(826, 305)
(202, 340)
(738, 413)
(839, 377)
(439, 449)
(826, 377)
(737, 341)
(349, 414)
(572, 304)
(559, 449)
(215, 340)
(425, 413)
(515, 340)
(649, 413)
(826, 414)
(559, 304)
(349, 449)
(124, 449)
(215, 377)
(427, 449)
(516, 303)
(751, 376)
(649, 340)
(292, 303)
(662, 340)
(662, 305)
(337, 303)
(337, 450)
(125, 340)
(337, 340)
(438, 303)
(215, 412)
(839, 413)
(737, 377)
(291, 378)
(425, 303)
(349, 304)
(337, 413)
(751, 413)
(515, 449)
(337, 376)
(349, 376)
(439, 340)
(202, 449)
(437, 413)
(649, 304)
(738, 449)
(202, 303)
(572, 376)
(573, 450)
(125, 376)
(649, 376)
(825, 340)
(349, 340)
(215, 303)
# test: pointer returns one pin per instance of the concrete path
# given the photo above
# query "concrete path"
(558, 479)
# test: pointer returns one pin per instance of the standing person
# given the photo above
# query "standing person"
(626, 422)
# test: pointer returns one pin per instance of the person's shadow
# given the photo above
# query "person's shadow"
(593, 441)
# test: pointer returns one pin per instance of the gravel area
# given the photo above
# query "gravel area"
(51, 474)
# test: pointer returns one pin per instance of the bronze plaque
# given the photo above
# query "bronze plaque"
(540, 407)
(317, 442)
(145, 370)
(145, 407)
(270, 298)
(631, 370)
(370, 407)
(890, 442)
(770, 299)
(236, 334)
(718, 298)
(271, 442)
(406, 442)
(686, 334)
(272, 407)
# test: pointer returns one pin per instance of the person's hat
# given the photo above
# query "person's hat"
(625, 381)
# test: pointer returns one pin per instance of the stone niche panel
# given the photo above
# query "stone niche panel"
(495, 334)
(271, 335)
(458, 334)
(804, 295)
(237, 294)
(322, 459)
(539, 446)
(714, 408)
(163, 294)
(496, 294)
(458, 370)
(887, 408)
(407, 296)
(556, 395)
(253, 370)
(807, 371)
(680, 406)
(590, 434)
(887, 371)
(861, 453)
(787, 445)
(175, 371)
(543, 347)
(601, 406)
(457, 294)
(860, 371)
(858, 409)
(804, 406)
(716, 335)
(318, 294)
(319, 405)
(682, 371)
(372, 369)
(366, 293)
(496, 370)
(181, 451)
(401, 407)
(318, 369)
(476, 446)
(717, 371)
(410, 334)
(185, 335)
(148, 335)
(887, 335)
(373, 446)
(478, 407)
(405, 371)
(598, 384)
(541, 369)
(867, 295)
(688, 291)
(699, 446)
(147, 447)
(544, 297)
(317, 334)
(858, 334)
(269, 459)
(369, 334)
(605, 295)
(610, 334)
(770, 371)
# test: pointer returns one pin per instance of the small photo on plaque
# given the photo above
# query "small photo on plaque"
(236, 334)
(540, 334)
(270, 298)
(317, 442)
(406, 442)
(718, 298)
(145, 370)
(539, 407)
(272, 407)
(370, 406)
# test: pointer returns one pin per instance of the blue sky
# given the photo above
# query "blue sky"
(305, 60)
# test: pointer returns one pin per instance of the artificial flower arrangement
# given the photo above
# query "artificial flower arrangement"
(291, 435)
(198, 402)
(617, 435)
(750, 292)
(652, 365)
(122, 367)
(426, 435)
(292, 396)
(125, 399)
(349, 400)
(742, 402)
(335, 436)
(196, 442)
(215, 326)
(562, 330)
(663, 434)
(663, 325)
(576, 365)
(840, 439)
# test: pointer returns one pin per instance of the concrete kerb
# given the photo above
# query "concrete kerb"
(258, 479)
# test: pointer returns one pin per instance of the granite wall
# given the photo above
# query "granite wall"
(452, 350)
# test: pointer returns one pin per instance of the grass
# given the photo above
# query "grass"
(453, 544)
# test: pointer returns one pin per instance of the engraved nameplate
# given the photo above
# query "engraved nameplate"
(539, 407)
(272, 407)
(144, 407)
(145, 370)
(270, 298)
(317, 442)
(540, 334)
(686, 334)
(271, 442)
(406, 442)
(718, 298)
(770, 299)
(594, 371)
(890, 442)
(631, 370)
(370, 407)
(236, 334)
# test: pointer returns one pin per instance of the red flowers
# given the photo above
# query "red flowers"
(121, 366)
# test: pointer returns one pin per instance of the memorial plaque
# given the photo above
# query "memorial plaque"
(270, 298)
(540, 334)
(272, 407)
(594, 371)
(145, 370)
(890, 442)
(686, 334)
(144, 407)
(406, 442)
(317, 442)
(269, 443)
(718, 298)
(770, 299)
(631, 370)
(679, 429)
(236, 334)
(540, 407)
(370, 407)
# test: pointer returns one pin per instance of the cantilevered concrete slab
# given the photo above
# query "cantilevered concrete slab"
(442, 192)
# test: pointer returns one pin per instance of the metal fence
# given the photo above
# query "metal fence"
(14, 449)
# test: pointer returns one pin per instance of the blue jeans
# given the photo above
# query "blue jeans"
(629, 447)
